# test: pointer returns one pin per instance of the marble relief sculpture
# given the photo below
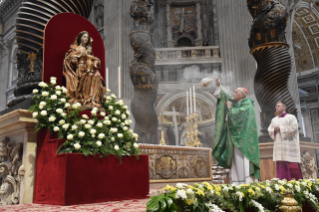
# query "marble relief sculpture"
(82, 73)
(11, 171)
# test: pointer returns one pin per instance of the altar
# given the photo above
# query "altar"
(168, 164)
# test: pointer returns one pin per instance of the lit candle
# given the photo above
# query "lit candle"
(190, 101)
(120, 86)
(107, 77)
(187, 103)
(194, 95)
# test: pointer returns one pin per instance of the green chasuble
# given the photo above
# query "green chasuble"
(240, 129)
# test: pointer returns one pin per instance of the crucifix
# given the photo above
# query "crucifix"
(182, 14)
(174, 114)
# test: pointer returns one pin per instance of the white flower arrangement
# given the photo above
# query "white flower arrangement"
(95, 134)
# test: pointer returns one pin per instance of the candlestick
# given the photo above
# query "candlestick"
(107, 77)
(194, 94)
(187, 103)
(119, 81)
(190, 101)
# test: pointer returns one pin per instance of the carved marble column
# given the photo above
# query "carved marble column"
(170, 42)
(199, 39)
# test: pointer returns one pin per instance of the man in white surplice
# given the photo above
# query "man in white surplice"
(284, 131)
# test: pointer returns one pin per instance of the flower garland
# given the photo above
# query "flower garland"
(263, 196)
(104, 133)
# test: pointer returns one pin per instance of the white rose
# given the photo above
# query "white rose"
(101, 135)
(82, 121)
(93, 112)
(59, 111)
(117, 112)
(99, 125)
(74, 127)
(77, 146)
(63, 100)
(135, 135)
(70, 137)
(129, 121)
(75, 106)
(99, 143)
(112, 139)
(81, 134)
(40, 107)
(114, 119)
(125, 107)
(123, 116)
(113, 130)
(108, 90)
(58, 87)
(52, 119)
(45, 93)
(65, 126)
(93, 131)
(135, 145)
(91, 122)
(120, 135)
(35, 91)
(102, 114)
(87, 126)
(126, 122)
(56, 129)
(64, 90)
(85, 116)
(44, 113)
(62, 121)
(189, 191)
(35, 114)
(43, 85)
(53, 97)
(43, 103)
(93, 135)
(120, 102)
(106, 118)
(131, 132)
(109, 98)
(111, 107)
(67, 105)
(128, 112)
(53, 78)
(113, 96)
(116, 147)
(125, 128)
(63, 114)
(107, 122)
(58, 93)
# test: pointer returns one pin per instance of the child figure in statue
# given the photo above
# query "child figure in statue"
(81, 71)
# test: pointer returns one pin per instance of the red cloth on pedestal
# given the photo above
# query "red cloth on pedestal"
(70, 179)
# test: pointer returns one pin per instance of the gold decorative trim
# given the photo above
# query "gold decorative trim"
(267, 45)
(181, 180)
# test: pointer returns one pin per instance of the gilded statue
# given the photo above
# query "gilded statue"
(82, 73)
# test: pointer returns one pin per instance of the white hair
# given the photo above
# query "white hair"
(242, 91)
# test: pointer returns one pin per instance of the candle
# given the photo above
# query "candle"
(107, 77)
(194, 95)
(187, 103)
(190, 101)
(119, 82)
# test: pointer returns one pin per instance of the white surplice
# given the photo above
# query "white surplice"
(239, 171)
(286, 142)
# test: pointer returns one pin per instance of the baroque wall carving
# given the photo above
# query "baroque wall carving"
(11, 171)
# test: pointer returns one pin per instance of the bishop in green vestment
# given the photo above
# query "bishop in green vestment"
(235, 144)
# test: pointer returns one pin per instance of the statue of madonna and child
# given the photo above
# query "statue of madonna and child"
(82, 73)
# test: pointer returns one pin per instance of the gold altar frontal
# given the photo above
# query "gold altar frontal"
(178, 163)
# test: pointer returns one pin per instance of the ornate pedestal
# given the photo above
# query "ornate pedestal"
(17, 157)
(268, 166)
(178, 164)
